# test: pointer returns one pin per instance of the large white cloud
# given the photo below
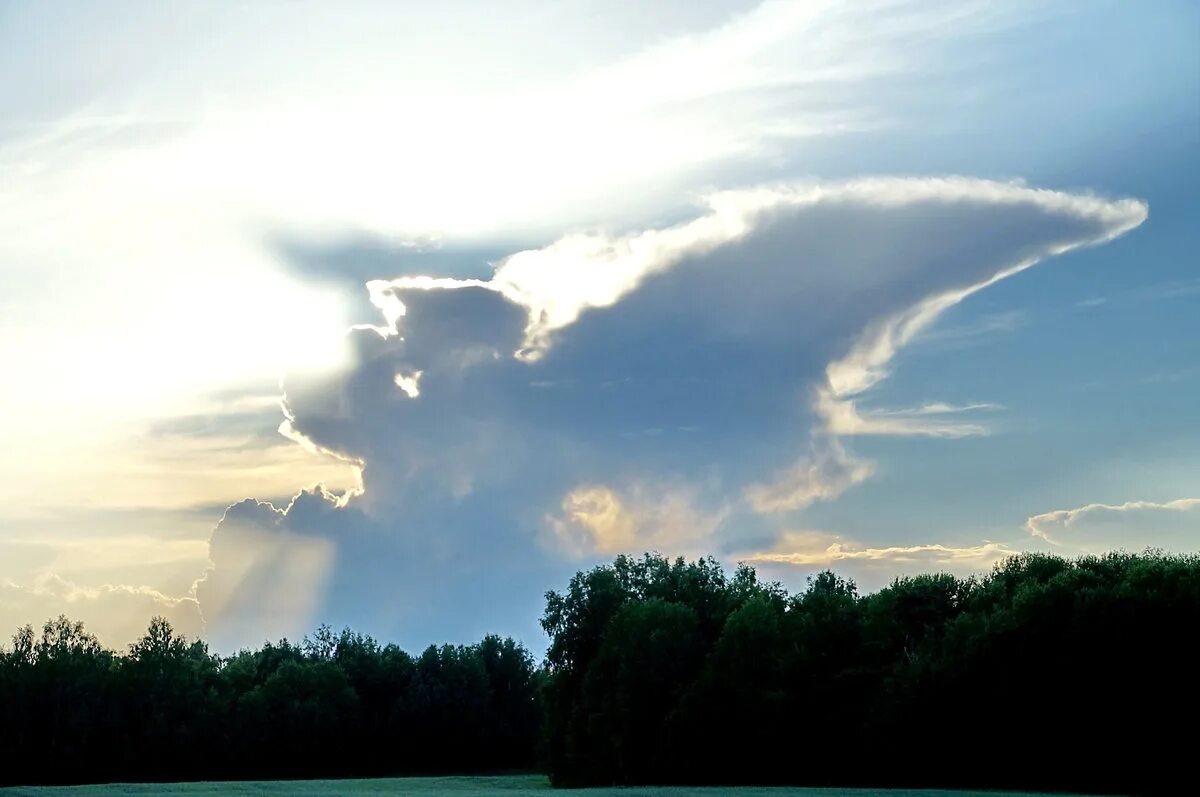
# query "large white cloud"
(144, 198)
(704, 377)
(557, 398)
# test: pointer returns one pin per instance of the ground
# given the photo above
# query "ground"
(500, 786)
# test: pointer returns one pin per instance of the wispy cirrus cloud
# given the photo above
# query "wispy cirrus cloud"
(824, 474)
(1173, 525)
(1176, 289)
(974, 332)
(873, 566)
(1158, 292)
(936, 419)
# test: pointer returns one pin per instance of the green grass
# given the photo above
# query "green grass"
(501, 786)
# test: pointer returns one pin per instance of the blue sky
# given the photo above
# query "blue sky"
(395, 317)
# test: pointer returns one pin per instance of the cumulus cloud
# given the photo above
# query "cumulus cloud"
(1172, 525)
(111, 579)
(266, 579)
(450, 424)
(116, 613)
(553, 396)
(597, 520)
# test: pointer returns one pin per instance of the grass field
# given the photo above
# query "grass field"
(502, 786)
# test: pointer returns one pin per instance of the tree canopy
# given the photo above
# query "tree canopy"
(334, 705)
(1046, 674)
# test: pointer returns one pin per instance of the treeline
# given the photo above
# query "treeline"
(1047, 674)
(336, 705)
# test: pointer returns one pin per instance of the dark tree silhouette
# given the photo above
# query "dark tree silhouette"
(335, 705)
(1047, 674)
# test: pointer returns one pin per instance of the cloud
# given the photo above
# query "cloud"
(1172, 525)
(173, 187)
(415, 579)
(940, 408)
(1177, 289)
(1163, 291)
(19, 558)
(871, 566)
(723, 358)
(116, 613)
(973, 333)
(209, 456)
(596, 520)
(95, 569)
(843, 418)
(866, 363)
(266, 579)
(409, 384)
(816, 548)
(826, 473)
(612, 392)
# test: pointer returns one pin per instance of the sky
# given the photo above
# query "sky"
(395, 317)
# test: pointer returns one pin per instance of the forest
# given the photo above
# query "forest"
(1046, 673)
